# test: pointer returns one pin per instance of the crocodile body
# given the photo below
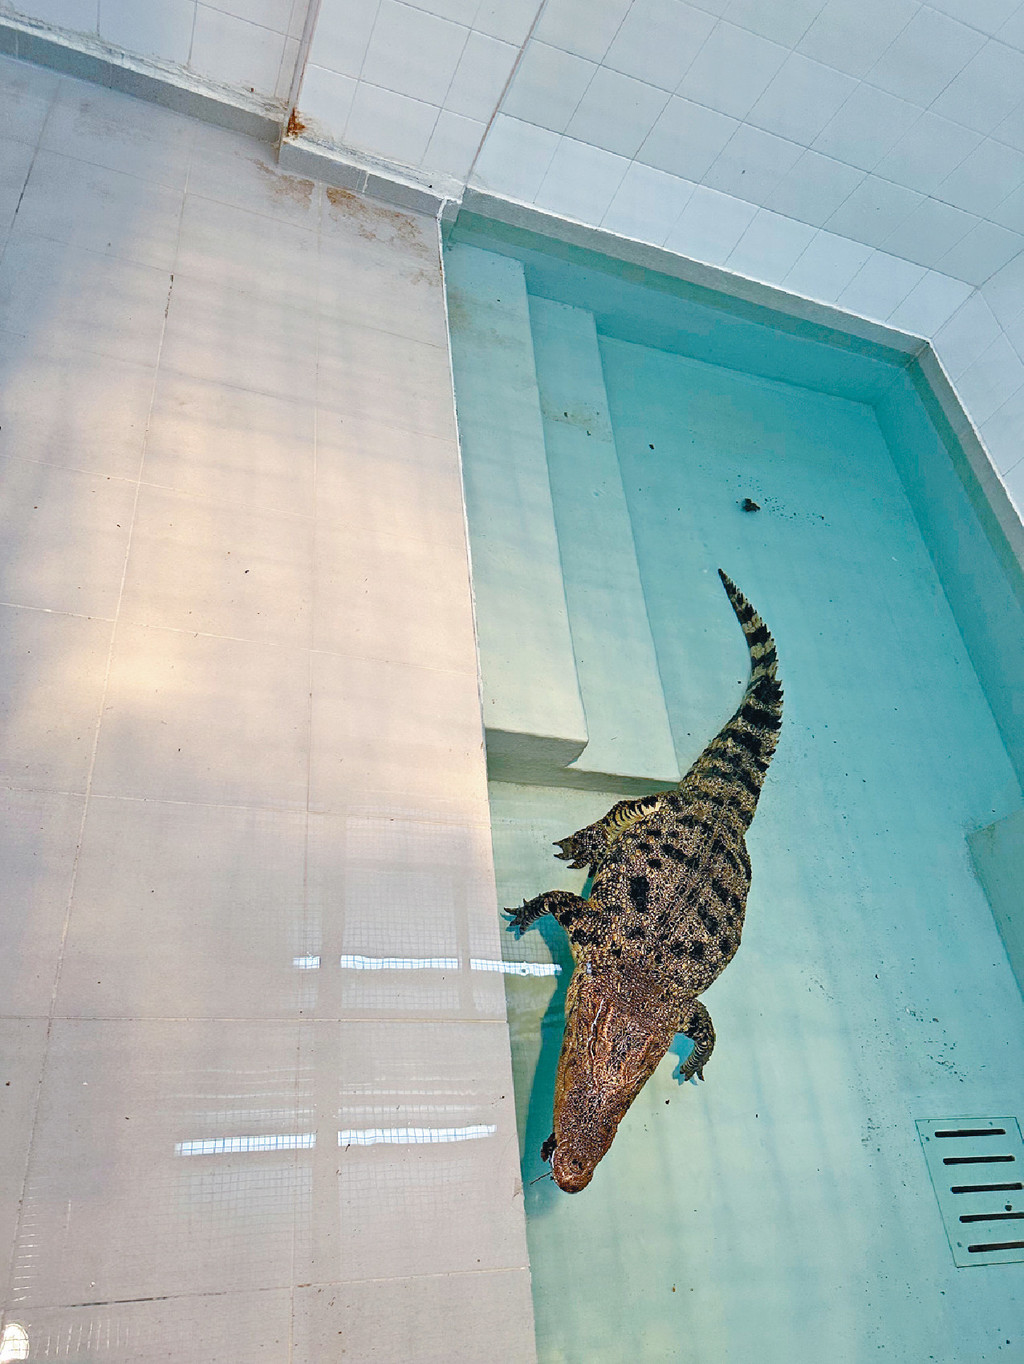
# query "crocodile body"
(663, 920)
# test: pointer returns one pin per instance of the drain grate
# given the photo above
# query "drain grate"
(977, 1170)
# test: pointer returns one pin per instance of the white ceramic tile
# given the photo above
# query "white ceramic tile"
(926, 56)
(752, 163)
(560, 26)
(880, 286)
(987, 90)
(785, 21)
(1013, 481)
(327, 97)
(509, 20)
(22, 1047)
(230, 445)
(851, 38)
(813, 189)
(732, 69)
(988, 15)
(382, 480)
(710, 226)
(969, 332)
(72, 300)
(283, 16)
(389, 124)
(209, 1328)
(931, 230)
(770, 247)
(1004, 292)
(38, 841)
(873, 211)
(581, 181)
(101, 210)
(423, 754)
(235, 169)
(801, 99)
(930, 304)
(77, 15)
(237, 250)
(647, 203)
(1010, 213)
(286, 70)
(233, 52)
(869, 125)
(114, 130)
(27, 93)
(396, 1213)
(417, 893)
(363, 371)
(686, 139)
(616, 112)
(15, 162)
(995, 376)
(81, 411)
(117, 1208)
(459, 11)
(1003, 434)
(63, 536)
(658, 40)
(194, 718)
(220, 569)
(484, 67)
(342, 35)
(984, 251)
(1012, 31)
(928, 153)
(163, 30)
(389, 597)
(51, 707)
(413, 52)
(451, 1319)
(150, 930)
(239, 339)
(514, 158)
(453, 144)
(987, 175)
(1015, 334)
(547, 86)
(380, 268)
(826, 267)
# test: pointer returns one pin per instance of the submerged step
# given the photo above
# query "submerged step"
(533, 713)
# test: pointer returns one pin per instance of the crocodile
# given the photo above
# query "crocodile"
(663, 919)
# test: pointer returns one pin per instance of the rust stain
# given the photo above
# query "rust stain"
(378, 223)
(295, 124)
(286, 186)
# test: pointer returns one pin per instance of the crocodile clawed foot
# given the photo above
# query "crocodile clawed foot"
(566, 854)
(517, 919)
(687, 1072)
(547, 1150)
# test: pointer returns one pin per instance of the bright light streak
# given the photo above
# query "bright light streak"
(306, 963)
(230, 1146)
(13, 1343)
(400, 963)
(517, 968)
(412, 1136)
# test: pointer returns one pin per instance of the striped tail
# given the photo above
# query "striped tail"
(739, 755)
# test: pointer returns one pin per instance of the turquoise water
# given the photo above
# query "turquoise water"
(782, 1210)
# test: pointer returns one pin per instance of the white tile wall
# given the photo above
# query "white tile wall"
(249, 45)
(237, 619)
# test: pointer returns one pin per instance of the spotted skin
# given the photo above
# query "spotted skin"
(663, 920)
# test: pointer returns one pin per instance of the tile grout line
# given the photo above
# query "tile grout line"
(52, 1013)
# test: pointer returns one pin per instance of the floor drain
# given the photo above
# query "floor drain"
(977, 1170)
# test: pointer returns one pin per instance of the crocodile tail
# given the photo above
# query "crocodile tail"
(739, 755)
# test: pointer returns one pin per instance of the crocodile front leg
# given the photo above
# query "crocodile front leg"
(697, 1026)
(561, 903)
(586, 847)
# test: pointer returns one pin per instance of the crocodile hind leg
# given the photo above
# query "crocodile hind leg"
(586, 847)
(696, 1024)
(561, 903)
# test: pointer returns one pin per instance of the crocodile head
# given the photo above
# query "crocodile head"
(609, 1051)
